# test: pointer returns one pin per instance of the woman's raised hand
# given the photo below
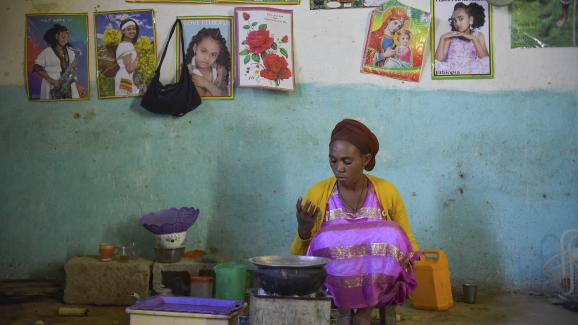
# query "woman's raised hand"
(389, 53)
(135, 63)
(306, 215)
(449, 35)
(200, 81)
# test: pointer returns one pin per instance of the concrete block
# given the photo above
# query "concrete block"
(266, 310)
(90, 281)
(190, 265)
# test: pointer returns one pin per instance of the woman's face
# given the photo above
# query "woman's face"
(62, 38)
(461, 20)
(393, 26)
(206, 52)
(347, 162)
(129, 32)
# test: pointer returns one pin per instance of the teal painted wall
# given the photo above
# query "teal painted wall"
(489, 177)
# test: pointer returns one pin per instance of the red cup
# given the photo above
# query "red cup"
(106, 251)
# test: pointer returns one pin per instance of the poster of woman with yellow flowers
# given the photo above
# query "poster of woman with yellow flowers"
(125, 52)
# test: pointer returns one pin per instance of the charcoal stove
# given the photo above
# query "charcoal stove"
(274, 309)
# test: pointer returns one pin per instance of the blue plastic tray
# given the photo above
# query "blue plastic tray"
(188, 305)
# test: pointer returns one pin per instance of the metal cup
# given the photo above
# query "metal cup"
(470, 291)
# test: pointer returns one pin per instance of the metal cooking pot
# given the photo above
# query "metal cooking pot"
(290, 275)
(169, 255)
(289, 261)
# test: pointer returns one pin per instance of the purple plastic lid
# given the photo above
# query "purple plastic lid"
(188, 305)
(170, 221)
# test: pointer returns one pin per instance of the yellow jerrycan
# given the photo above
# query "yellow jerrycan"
(434, 289)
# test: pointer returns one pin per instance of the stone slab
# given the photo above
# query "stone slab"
(90, 281)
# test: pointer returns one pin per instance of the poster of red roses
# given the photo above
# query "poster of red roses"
(264, 50)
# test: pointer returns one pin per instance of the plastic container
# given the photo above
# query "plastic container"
(230, 281)
(434, 289)
(188, 305)
(170, 310)
(202, 286)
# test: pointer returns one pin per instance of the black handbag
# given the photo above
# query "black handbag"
(175, 99)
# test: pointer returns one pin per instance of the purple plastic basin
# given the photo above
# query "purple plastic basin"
(188, 305)
(170, 221)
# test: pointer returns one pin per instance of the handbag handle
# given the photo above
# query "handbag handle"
(167, 46)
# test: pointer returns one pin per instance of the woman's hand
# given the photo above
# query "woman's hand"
(129, 65)
(306, 215)
(200, 81)
(448, 35)
(389, 53)
(469, 37)
(134, 63)
(54, 82)
(457, 34)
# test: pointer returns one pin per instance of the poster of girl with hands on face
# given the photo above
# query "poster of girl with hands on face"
(462, 43)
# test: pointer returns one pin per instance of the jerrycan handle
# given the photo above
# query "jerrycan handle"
(438, 253)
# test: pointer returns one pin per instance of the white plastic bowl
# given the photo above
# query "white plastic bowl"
(174, 240)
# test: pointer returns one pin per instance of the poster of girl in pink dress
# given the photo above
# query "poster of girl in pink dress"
(462, 40)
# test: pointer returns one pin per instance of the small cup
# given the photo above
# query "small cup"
(123, 255)
(106, 251)
(470, 291)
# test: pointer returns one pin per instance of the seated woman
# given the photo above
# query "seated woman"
(358, 221)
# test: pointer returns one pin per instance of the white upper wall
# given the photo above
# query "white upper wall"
(328, 46)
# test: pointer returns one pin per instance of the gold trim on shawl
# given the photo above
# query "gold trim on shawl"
(368, 249)
(338, 213)
(357, 281)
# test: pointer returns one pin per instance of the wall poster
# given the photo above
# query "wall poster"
(254, 2)
(208, 54)
(125, 43)
(395, 42)
(344, 4)
(543, 23)
(57, 57)
(461, 42)
(264, 52)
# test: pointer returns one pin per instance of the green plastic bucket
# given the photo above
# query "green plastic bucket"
(230, 281)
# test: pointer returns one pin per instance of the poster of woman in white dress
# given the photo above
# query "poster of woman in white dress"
(56, 57)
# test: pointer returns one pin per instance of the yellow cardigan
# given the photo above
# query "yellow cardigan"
(387, 195)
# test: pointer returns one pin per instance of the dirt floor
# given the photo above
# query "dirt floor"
(495, 309)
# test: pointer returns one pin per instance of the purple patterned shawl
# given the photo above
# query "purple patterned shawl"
(371, 258)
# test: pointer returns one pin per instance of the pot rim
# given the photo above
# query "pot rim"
(297, 261)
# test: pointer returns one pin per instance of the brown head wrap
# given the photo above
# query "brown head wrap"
(359, 135)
